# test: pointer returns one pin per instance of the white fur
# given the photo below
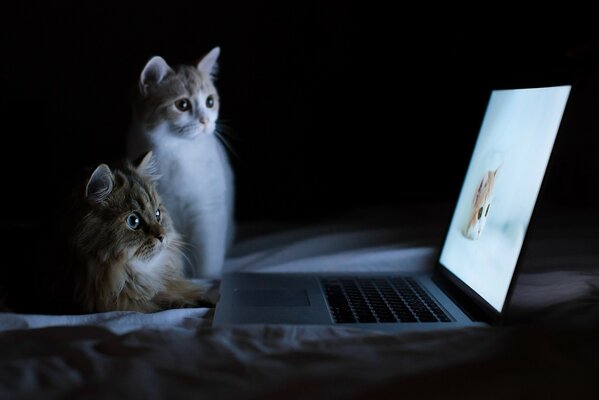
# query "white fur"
(196, 185)
(194, 177)
(156, 261)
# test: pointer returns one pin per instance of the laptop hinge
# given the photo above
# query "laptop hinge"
(468, 305)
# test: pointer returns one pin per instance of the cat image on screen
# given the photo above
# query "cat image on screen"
(126, 250)
(175, 112)
(481, 205)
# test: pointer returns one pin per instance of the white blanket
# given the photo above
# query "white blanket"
(549, 347)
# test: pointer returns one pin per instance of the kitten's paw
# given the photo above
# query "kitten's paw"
(205, 303)
(195, 298)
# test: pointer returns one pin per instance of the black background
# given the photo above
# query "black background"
(330, 106)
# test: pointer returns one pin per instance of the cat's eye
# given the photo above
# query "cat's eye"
(480, 212)
(487, 211)
(210, 101)
(183, 105)
(158, 215)
(133, 221)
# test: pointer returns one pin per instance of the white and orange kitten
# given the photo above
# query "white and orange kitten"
(481, 204)
(175, 116)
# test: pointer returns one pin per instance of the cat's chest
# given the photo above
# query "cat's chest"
(192, 165)
(148, 276)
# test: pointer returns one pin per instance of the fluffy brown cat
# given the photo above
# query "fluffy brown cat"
(127, 252)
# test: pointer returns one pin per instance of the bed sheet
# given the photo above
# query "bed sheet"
(549, 346)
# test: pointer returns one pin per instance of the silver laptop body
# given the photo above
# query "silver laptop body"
(476, 267)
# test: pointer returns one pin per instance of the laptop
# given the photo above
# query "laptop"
(476, 266)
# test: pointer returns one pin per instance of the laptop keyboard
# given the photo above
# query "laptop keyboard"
(372, 300)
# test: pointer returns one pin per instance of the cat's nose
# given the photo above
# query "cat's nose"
(203, 120)
(158, 232)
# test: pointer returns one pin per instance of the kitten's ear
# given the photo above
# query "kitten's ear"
(100, 184)
(153, 73)
(208, 64)
(146, 166)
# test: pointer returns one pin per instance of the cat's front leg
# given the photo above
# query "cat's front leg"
(183, 293)
(208, 243)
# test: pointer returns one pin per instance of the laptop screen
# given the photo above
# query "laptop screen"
(501, 187)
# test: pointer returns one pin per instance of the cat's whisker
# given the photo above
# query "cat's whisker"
(179, 246)
(182, 246)
(182, 254)
(223, 126)
(226, 131)
(225, 143)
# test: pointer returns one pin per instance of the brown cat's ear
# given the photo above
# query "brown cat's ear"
(153, 73)
(100, 184)
(208, 64)
(145, 166)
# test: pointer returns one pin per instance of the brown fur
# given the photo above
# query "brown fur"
(479, 203)
(119, 268)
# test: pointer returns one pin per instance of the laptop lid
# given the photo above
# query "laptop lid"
(478, 259)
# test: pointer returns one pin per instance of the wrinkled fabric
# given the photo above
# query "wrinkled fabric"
(549, 346)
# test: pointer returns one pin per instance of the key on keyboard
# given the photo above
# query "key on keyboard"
(365, 300)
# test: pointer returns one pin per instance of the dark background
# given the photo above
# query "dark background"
(331, 106)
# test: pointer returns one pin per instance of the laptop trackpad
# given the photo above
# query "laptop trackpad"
(270, 298)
